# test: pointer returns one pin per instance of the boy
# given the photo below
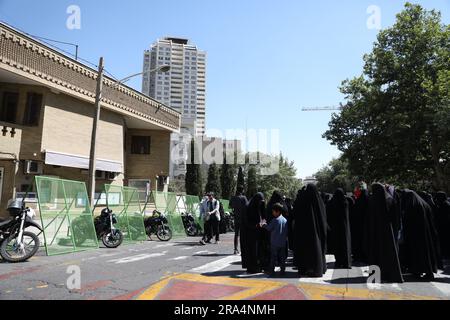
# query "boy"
(278, 238)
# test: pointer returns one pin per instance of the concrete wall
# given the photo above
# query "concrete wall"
(148, 166)
(68, 129)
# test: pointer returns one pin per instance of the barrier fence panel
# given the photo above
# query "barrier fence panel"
(174, 216)
(134, 214)
(65, 215)
(125, 203)
(226, 205)
(193, 207)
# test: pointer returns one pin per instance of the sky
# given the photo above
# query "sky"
(265, 59)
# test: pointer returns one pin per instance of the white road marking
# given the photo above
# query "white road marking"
(442, 287)
(88, 259)
(109, 255)
(216, 265)
(187, 248)
(138, 257)
(201, 252)
(164, 245)
(328, 276)
(179, 258)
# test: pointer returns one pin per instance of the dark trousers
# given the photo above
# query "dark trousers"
(215, 230)
(207, 232)
(277, 256)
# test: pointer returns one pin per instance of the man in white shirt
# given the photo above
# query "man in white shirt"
(211, 215)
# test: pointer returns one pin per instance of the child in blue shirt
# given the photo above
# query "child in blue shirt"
(278, 238)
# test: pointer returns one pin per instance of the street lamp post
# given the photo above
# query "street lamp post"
(98, 98)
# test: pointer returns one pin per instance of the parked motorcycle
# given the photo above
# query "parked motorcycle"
(192, 228)
(16, 244)
(159, 225)
(229, 218)
(104, 227)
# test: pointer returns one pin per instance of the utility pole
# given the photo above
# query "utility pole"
(92, 158)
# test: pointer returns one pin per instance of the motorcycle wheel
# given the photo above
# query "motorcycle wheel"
(12, 253)
(112, 241)
(191, 230)
(164, 233)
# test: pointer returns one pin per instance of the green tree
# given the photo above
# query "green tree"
(252, 181)
(193, 179)
(335, 175)
(213, 182)
(227, 180)
(396, 123)
(284, 180)
(241, 177)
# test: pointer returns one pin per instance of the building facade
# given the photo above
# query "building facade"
(183, 88)
(46, 117)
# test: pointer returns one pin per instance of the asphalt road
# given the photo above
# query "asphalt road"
(183, 269)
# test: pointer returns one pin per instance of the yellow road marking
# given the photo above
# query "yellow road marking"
(252, 287)
(255, 287)
(320, 292)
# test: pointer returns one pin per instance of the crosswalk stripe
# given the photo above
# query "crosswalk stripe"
(179, 258)
(137, 258)
(216, 265)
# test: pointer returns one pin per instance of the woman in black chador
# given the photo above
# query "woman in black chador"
(418, 233)
(358, 218)
(254, 246)
(341, 238)
(277, 197)
(443, 223)
(382, 241)
(433, 223)
(310, 233)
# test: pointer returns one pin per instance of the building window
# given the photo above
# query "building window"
(8, 109)
(140, 145)
(32, 109)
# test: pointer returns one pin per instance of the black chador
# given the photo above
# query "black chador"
(358, 226)
(310, 233)
(382, 240)
(434, 226)
(253, 246)
(418, 234)
(443, 225)
(340, 231)
(239, 205)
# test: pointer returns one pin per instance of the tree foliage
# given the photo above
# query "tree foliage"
(396, 123)
(228, 180)
(335, 175)
(193, 179)
(241, 177)
(213, 181)
(284, 180)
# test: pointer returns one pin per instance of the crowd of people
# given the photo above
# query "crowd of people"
(399, 230)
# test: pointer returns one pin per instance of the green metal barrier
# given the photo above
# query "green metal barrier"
(125, 203)
(226, 205)
(192, 204)
(65, 216)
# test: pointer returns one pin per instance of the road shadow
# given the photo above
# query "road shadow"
(212, 255)
(188, 244)
(349, 280)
